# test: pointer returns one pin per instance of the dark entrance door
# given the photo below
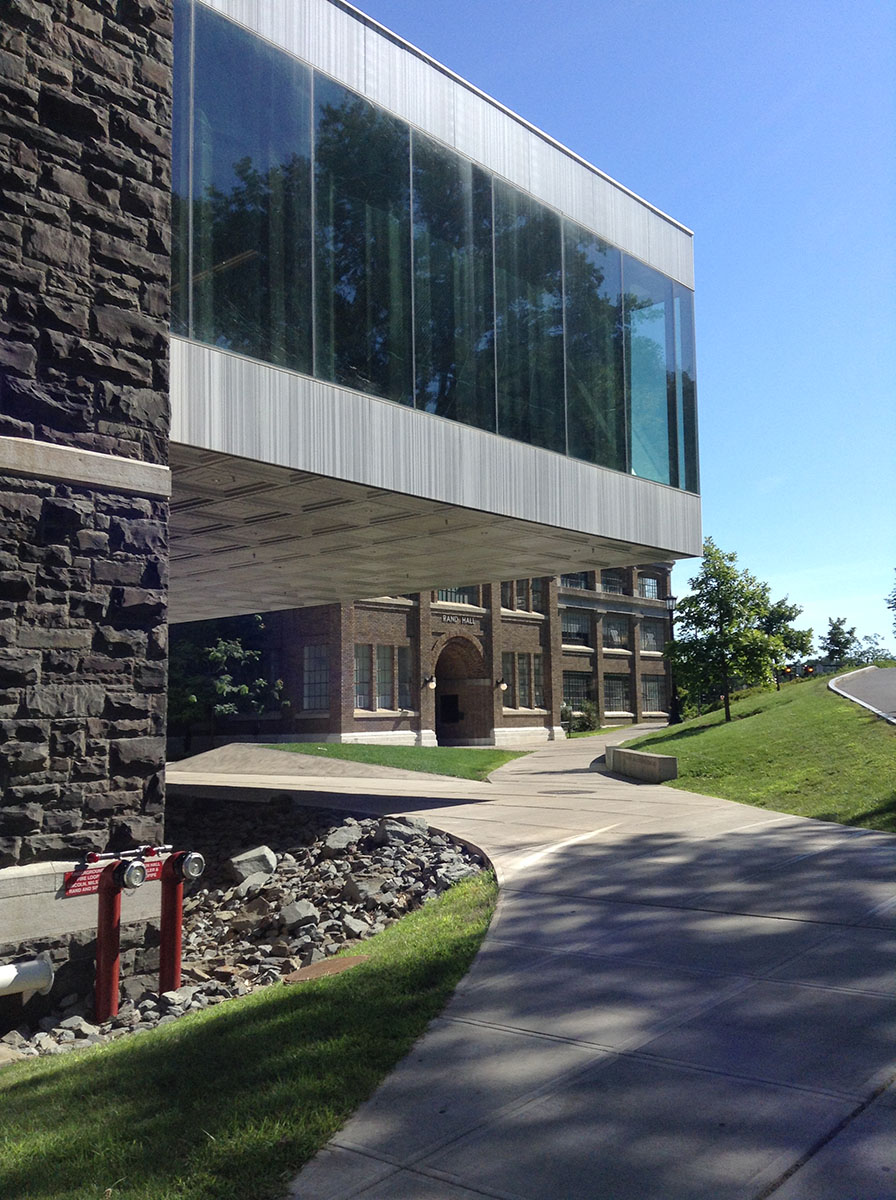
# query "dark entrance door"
(464, 709)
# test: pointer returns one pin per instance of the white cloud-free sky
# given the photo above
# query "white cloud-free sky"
(769, 128)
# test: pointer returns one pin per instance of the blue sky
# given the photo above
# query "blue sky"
(769, 128)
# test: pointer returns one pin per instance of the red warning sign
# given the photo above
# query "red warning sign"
(83, 882)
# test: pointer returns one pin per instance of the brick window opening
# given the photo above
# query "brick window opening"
(617, 693)
(578, 687)
(315, 678)
(616, 633)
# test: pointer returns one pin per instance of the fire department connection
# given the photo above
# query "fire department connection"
(106, 876)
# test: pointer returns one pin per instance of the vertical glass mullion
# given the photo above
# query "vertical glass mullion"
(312, 203)
(679, 395)
(412, 314)
(563, 335)
(191, 135)
(626, 386)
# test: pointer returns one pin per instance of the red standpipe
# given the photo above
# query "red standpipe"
(172, 924)
(108, 943)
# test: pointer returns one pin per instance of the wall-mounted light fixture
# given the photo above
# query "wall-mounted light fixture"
(430, 682)
(501, 685)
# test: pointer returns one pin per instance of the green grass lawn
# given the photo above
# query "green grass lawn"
(229, 1103)
(463, 762)
(802, 750)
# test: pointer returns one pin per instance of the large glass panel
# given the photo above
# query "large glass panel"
(363, 240)
(453, 286)
(686, 388)
(180, 167)
(251, 187)
(595, 389)
(648, 303)
(529, 320)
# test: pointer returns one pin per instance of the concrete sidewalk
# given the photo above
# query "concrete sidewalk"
(680, 998)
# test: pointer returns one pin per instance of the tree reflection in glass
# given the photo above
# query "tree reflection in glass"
(453, 290)
(362, 241)
(529, 320)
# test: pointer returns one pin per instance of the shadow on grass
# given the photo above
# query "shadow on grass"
(231, 1102)
(882, 817)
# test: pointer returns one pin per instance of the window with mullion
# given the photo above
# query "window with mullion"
(363, 654)
(616, 632)
(508, 674)
(384, 677)
(575, 624)
(524, 680)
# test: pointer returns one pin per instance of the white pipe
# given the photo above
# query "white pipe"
(36, 975)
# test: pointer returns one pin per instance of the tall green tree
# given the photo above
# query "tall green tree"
(891, 605)
(839, 642)
(728, 631)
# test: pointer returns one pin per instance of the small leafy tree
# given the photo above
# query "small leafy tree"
(728, 631)
(215, 670)
(839, 643)
(891, 605)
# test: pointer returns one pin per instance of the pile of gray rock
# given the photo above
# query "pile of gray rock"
(306, 883)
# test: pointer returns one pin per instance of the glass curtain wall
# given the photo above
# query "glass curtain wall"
(315, 231)
(362, 242)
(248, 171)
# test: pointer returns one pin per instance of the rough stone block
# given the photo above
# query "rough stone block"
(21, 821)
(260, 860)
(18, 668)
(137, 753)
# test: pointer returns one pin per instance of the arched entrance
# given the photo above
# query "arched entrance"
(464, 701)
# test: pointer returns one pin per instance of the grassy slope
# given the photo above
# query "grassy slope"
(463, 762)
(229, 1104)
(802, 750)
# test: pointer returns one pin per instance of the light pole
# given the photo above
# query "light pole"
(674, 706)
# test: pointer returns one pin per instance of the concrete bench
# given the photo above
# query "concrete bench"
(638, 764)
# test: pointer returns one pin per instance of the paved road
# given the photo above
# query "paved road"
(680, 998)
(874, 687)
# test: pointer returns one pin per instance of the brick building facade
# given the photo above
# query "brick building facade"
(486, 665)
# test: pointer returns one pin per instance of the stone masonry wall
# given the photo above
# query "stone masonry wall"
(85, 147)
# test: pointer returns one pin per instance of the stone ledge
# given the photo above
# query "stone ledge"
(638, 764)
(66, 464)
(32, 906)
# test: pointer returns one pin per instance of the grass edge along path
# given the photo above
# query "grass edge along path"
(230, 1103)
(460, 762)
(803, 750)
